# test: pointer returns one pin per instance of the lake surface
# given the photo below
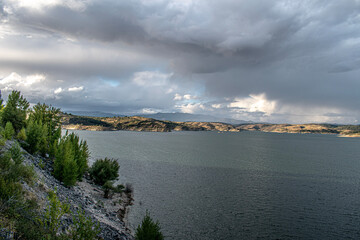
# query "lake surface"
(248, 185)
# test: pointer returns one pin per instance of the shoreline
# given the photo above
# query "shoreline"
(103, 129)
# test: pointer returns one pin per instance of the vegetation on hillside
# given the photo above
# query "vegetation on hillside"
(38, 130)
(40, 133)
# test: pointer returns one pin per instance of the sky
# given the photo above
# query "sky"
(279, 61)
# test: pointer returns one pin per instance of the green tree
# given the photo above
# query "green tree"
(81, 153)
(34, 133)
(48, 119)
(104, 170)
(70, 172)
(15, 111)
(9, 131)
(71, 159)
(148, 230)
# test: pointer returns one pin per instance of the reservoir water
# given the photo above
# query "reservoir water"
(248, 185)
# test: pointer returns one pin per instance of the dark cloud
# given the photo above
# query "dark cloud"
(299, 54)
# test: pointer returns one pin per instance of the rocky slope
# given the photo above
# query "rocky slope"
(110, 213)
(153, 125)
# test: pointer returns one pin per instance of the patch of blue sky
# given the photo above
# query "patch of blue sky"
(111, 82)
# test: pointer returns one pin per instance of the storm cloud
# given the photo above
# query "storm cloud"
(274, 61)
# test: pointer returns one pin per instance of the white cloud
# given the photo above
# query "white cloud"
(58, 90)
(76, 89)
(191, 107)
(254, 103)
(217, 106)
(177, 97)
(16, 80)
(189, 97)
(148, 111)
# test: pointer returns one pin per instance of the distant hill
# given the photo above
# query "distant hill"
(94, 114)
(187, 117)
(153, 125)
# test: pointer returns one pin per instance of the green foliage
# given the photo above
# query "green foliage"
(33, 134)
(41, 164)
(104, 170)
(148, 230)
(21, 135)
(84, 228)
(71, 159)
(45, 128)
(15, 111)
(109, 188)
(2, 142)
(16, 153)
(30, 230)
(52, 217)
(12, 173)
(81, 154)
(9, 131)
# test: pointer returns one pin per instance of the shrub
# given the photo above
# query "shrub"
(9, 131)
(104, 170)
(148, 230)
(53, 213)
(84, 228)
(109, 188)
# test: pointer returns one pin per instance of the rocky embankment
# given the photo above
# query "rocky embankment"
(110, 213)
(153, 125)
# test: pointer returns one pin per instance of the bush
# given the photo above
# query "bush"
(148, 230)
(104, 170)
(53, 213)
(109, 188)
(9, 131)
(84, 228)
